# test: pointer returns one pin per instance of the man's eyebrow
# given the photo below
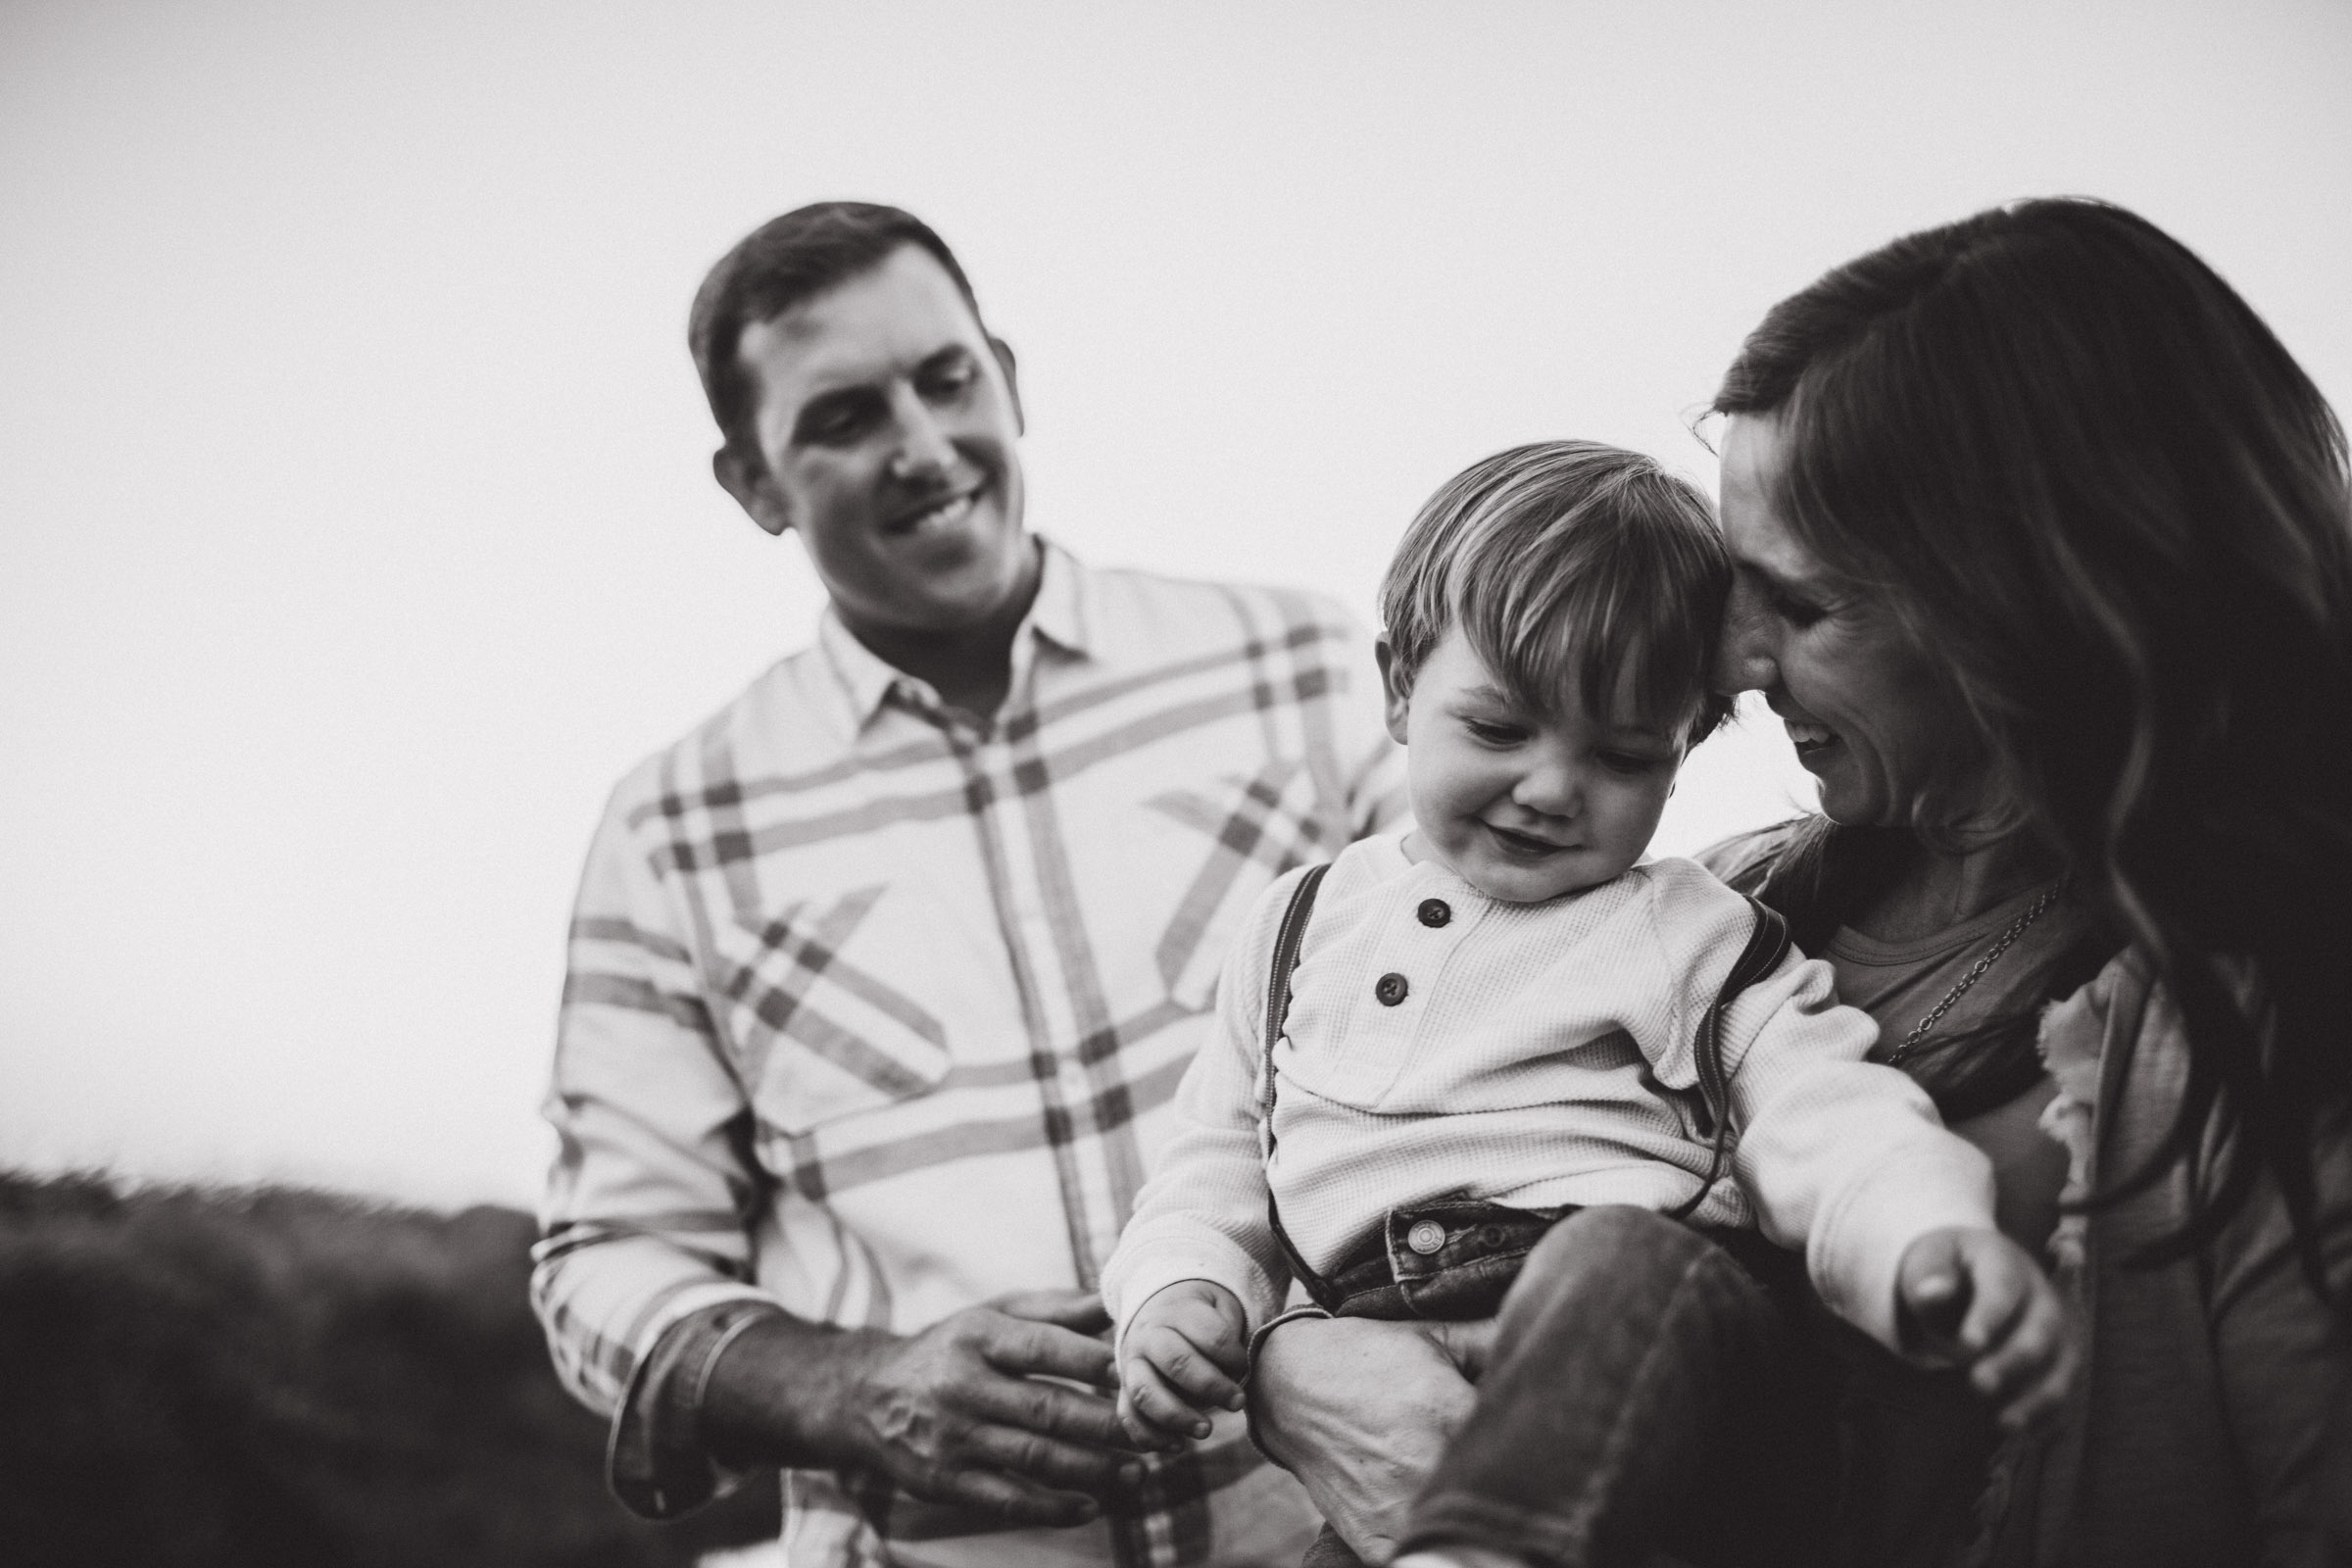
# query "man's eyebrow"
(833, 399)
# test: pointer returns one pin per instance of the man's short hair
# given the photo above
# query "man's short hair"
(780, 263)
(1569, 561)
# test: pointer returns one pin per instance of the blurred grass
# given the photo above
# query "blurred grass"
(197, 1379)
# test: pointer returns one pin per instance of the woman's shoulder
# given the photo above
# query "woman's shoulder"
(1744, 859)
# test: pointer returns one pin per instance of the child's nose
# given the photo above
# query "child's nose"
(1553, 787)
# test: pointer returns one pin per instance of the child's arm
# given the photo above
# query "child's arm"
(1848, 1160)
(1201, 1218)
(1183, 1354)
(1842, 1158)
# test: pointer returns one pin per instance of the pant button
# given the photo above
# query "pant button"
(1425, 1237)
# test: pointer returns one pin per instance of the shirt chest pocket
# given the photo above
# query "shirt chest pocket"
(1219, 842)
(823, 1011)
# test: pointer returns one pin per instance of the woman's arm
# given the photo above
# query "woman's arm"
(1360, 1412)
(2286, 1356)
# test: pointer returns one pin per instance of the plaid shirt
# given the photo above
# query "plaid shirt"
(874, 1013)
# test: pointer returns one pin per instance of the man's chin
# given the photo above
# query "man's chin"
(983, 594)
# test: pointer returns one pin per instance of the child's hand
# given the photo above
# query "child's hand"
(1184, 1353)
(1976, 1297)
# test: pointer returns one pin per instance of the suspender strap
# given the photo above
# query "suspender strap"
(1287, 939)
(1767, 945)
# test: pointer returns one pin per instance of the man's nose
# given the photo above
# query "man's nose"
(924, 449)
(1743, 653)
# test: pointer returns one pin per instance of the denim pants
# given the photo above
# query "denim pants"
(1652, 1388)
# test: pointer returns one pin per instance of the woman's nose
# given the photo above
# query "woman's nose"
(1745, 660)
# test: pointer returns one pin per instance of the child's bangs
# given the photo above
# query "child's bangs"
(1589, 608)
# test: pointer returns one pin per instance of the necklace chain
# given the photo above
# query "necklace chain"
(2017, 928)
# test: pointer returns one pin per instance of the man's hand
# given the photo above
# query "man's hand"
(958, 1415)
(1360, 1410)
(1974, 1298)
(1184, 1353)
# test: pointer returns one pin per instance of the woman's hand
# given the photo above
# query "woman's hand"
(1360, 1412)
(1976, 1299)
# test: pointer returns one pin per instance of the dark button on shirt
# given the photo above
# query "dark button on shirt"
(1390, 989)
(1434, 913)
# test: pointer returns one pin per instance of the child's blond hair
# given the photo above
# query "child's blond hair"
(1570, 562)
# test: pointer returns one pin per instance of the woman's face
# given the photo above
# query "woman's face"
(1862, 704)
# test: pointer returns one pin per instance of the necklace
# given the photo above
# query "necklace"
(1976, 972)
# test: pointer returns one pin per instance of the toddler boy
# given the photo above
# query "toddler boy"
(1506, 1014)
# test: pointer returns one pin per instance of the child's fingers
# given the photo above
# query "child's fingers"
(1165, 1412)
(2041, 1399)
(1146, 1434)
(2025, 1372)
(1214, 1327)
(1931, 1288)
(2001, 1284)
(1191, 1372)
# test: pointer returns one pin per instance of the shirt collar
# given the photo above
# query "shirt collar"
(1060, 615)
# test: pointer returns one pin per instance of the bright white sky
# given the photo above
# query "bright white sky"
(355, 526)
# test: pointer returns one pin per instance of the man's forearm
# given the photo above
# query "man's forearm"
(992, 1408)
(774, 1393)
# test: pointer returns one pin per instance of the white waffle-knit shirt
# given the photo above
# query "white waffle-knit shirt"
(1535, 1055)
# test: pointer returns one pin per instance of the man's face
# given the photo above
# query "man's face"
(886, 423)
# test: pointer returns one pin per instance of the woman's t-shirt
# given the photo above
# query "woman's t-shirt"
(1899, 983)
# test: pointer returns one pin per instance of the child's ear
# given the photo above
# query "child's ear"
(1396, 689)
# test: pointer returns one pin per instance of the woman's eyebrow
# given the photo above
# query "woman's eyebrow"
(1774, 577)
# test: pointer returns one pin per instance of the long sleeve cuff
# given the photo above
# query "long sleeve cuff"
(1857, 1246)
(1164, 1255)
(655, 1459)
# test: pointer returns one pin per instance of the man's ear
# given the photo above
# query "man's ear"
(744, 477)
(1012, 381)
(1396, 689)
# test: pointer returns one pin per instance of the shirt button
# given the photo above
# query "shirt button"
(1390, 989)
(1434, 913)
(1425, 1237)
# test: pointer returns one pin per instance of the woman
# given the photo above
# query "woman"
(2045, 560)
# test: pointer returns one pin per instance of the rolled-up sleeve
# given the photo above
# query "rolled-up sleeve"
(645, 1227)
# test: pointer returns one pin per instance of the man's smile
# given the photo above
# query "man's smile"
(934, 516)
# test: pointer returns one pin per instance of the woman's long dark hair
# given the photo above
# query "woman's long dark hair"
(2114, 511)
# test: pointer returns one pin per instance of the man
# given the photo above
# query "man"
(882, 979)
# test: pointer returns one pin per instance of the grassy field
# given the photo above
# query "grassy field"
(196, 1379)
